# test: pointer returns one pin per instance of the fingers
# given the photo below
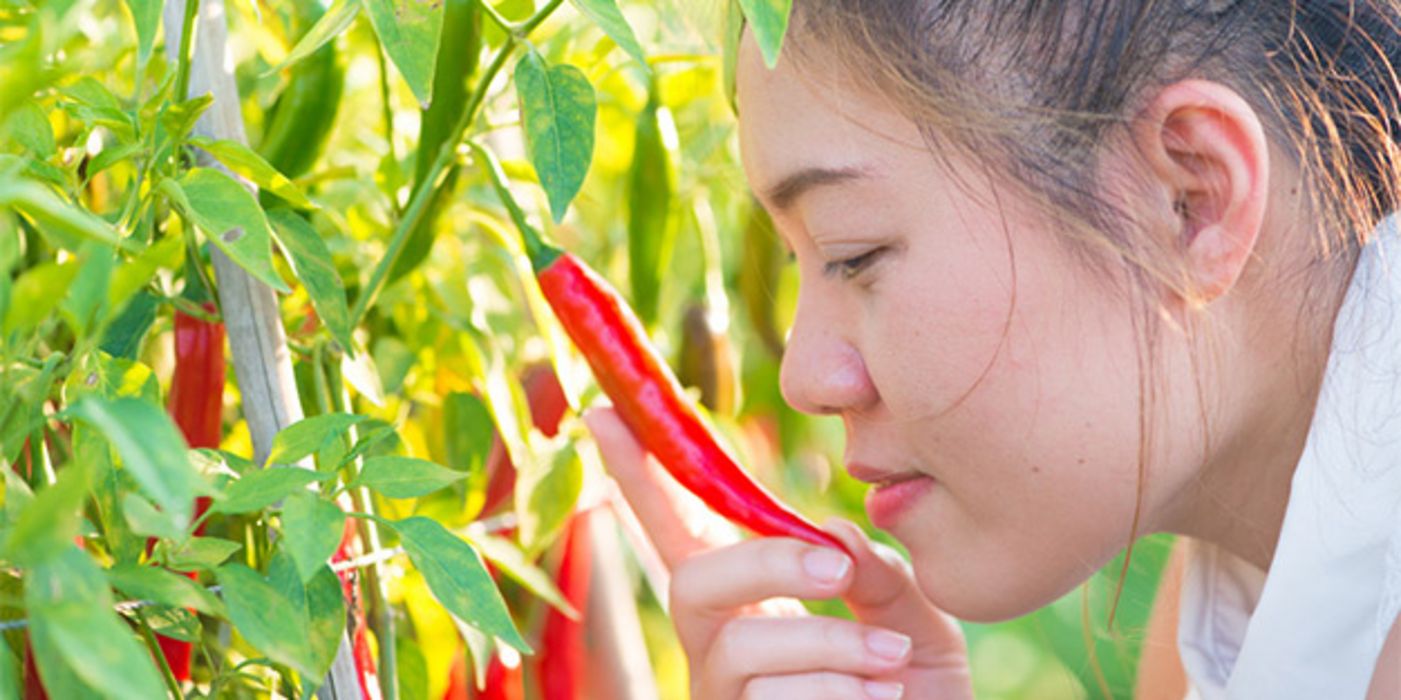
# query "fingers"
(713, 586)
(747, 648)
(883, 593)
(821, 686)
(677, 523)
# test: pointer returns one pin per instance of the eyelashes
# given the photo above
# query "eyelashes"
(851, 267)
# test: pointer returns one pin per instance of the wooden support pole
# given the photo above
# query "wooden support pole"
(262, 364)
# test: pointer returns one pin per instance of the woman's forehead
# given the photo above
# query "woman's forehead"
(794, 119)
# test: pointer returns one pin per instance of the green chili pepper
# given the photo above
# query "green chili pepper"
(459, 47)
(652, 182)
(301, 119)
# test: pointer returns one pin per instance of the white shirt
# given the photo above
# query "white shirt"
(1314, 627)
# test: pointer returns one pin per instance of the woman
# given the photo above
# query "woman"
(1074, 273)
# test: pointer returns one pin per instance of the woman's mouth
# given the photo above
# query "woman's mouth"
(891, 495)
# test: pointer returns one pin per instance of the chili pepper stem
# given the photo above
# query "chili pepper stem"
(541, 253)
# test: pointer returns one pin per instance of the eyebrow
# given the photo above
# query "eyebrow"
(795, 185)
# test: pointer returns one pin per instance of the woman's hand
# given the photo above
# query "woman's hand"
(742, 641)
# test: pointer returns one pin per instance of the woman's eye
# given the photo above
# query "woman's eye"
(851, 267)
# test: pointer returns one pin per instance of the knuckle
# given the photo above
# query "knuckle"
(727, 653)
(837, 635)
(684, 590)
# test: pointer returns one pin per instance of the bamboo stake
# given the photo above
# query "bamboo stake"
(262, 364)
(611, 626)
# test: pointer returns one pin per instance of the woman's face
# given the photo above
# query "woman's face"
(987, 381)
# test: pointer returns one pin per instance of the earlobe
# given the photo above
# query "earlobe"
(1206, 152)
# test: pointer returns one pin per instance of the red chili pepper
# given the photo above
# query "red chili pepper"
(643, 389)
(547, 403)
(196, 404)
(563, 662)
(33, 685)
(365, 670)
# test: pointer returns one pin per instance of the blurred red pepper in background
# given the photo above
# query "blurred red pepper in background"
(547, 407)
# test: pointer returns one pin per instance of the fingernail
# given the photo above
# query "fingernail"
(876, 690)
(888, 645)
(825, 565)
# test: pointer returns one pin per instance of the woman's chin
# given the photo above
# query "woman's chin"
(972, 597)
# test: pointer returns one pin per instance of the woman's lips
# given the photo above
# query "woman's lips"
(889, 500)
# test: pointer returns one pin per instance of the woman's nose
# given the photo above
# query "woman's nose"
(822, 371)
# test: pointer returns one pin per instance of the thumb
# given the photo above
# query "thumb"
(883, 593)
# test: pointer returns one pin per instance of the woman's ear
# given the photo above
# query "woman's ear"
(1206, 149)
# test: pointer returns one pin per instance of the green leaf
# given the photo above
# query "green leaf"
(160, 586)
(130, 277)
(510, 559)
(405, 477)
(176, 623)
(230, 217)
(17, 494)
(311, 531)
(320, 603)
(336, 20)
(246, 162)
(49, 212)
(311, 263)
(468, 432)
(86, 302)
(204, 553)
(557, 110)
(147, 15)
(49, 523)
(112, 155)
(546, 491)
(70, 605)
(29, 127)
(610, 19)
(769, 21)
(9, 672)
(178, 118)
(411, 668)
(144, 519)
(37, 293)
(262, 488)
(267, 619)
(151, 448)
(308, 436)
(458, 579)
(408, 30)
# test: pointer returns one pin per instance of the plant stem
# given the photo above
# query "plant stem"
(380, 619)
(150, 637)
(496, 17)
(418, 204)
(182, 74)
(388, 114)
(541, 254)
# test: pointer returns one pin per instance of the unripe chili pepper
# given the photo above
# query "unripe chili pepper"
(707, 359)
(643, 389)
(651, 182)
(301, 118)
(548, 404)
(196, 404)
(758, 278)
(563, 662)
(461, 43)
